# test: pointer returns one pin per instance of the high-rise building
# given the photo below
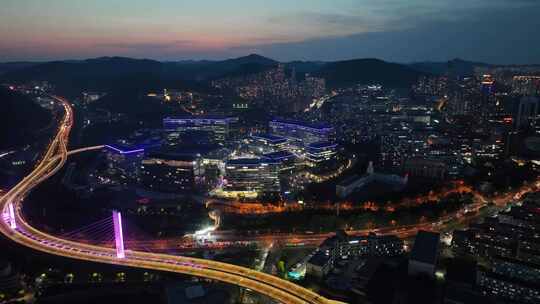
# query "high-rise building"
(527, 112)
(432, 86)
(487, 84)
(515, 268)
(526, 85)
(513, 289)
(464, 97)
(276, 88)
(510, 245)
(313, 86)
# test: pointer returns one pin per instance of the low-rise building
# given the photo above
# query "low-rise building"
(423, 167)
(343, 246)
(247, 176)
(355, 182)
(266, 143)
(286, 160)
(320, 264)
(169, 172)
(515, 268)
(319, 152)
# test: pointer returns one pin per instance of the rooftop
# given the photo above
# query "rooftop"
(500, 258)
(319, 126)
(280, 155)
(319, 259)
(250, 161)
(516, 281)
(202, 149)
(173, 156)
(269, 137)
(426, 247)
(322, 145)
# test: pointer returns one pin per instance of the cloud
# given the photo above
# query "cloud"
(414, 30)
(147, 45)
(493, 34)
(314, 24)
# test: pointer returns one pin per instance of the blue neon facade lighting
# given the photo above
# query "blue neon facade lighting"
(124, 151)
(301, 133)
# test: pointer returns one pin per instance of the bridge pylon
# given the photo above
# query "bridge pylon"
(11, 216)
(118, 234)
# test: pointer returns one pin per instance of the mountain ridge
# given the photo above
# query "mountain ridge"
(119, 73)
(368, 71)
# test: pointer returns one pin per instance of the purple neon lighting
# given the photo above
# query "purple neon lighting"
(124, 152)
(12, 222)
(118, 235)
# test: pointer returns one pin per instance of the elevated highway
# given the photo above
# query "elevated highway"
(15, 227)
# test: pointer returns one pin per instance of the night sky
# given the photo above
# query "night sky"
(495, 31)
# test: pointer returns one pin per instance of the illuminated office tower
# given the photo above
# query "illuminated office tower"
(526, 85)
(253, 175)
(221, 128)
(319, 152)
(266, 143)
(527, 112)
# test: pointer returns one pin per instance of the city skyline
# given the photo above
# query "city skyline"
(304, 30)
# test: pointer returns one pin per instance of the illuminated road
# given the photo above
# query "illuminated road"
(53, 160)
